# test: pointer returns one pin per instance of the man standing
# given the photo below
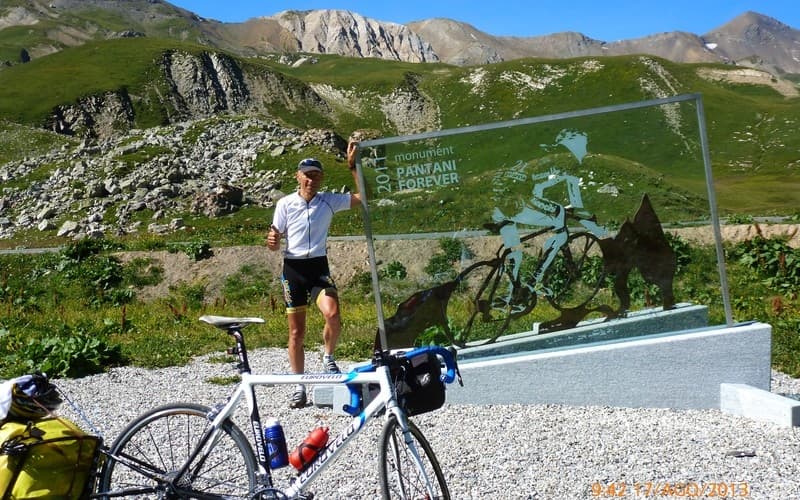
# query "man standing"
(304, 218)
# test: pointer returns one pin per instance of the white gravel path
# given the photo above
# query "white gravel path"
(501, 451)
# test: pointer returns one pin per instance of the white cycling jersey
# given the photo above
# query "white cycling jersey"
(305, 224)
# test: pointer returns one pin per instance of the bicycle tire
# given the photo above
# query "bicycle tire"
(160, 441)
(499, 300)
(399, 475)
(579, 286)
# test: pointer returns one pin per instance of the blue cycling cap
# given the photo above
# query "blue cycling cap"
(309, 165)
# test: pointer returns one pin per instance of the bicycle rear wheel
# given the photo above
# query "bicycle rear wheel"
(573, 277)
(156, 445)
(399, 475)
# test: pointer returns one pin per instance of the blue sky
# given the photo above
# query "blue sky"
(603, 20)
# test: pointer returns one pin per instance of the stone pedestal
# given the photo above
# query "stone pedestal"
(682, 369)
(637, 324)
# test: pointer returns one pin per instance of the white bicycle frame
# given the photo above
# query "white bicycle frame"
(385, 399)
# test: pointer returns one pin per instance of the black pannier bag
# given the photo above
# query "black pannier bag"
(418, 383)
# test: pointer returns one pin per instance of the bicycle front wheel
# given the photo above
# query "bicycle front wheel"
(399, 474)
(497, 300)
(152, 449)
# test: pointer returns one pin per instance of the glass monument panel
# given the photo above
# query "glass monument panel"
(535, 224)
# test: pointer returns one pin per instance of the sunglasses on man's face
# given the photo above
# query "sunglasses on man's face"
(313, 174)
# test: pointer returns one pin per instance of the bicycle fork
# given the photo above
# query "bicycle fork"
(418, 463)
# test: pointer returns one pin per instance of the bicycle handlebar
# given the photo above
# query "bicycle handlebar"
(449, 360)
(451, 368)
(450, 374)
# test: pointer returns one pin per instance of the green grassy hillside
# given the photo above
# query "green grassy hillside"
(755, 149)
(45, 299)
(59, 26)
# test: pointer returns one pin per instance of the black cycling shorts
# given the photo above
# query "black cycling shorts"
(305, 279)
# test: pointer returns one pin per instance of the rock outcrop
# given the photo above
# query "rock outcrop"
(197, 86)
(347, 33)
(203, 167)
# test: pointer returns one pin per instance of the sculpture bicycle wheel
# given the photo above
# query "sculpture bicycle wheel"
(576, 274)
(499, 298)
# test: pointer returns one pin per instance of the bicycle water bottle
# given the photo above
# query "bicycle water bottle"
(276, 444)
(308, 450)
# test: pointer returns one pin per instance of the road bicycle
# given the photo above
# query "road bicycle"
(187, 450)
(497, 295)
(568, 284)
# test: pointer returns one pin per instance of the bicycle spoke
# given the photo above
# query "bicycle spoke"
(398, 470)
(401, 476)
(153, 450)
(571, 276)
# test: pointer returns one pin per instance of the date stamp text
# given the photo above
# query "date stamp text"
(687, 489)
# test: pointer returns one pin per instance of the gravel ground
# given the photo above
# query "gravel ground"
(499, 451)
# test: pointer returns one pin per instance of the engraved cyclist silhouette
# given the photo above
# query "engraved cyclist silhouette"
(542, 211)
(498, 292)
(548, 215)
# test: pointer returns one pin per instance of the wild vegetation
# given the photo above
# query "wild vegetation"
(76, 311)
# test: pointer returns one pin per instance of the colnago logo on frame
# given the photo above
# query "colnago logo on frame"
(322, 377)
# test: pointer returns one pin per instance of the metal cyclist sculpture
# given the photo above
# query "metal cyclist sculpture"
(544, 212)
(571, 265)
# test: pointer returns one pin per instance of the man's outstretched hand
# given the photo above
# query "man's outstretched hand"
(352, 147)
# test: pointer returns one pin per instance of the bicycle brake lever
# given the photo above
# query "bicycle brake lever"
(454, 353)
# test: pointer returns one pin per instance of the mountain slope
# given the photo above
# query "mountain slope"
(33, 28)
(52, 25)
(133, 109)
(460, 43)
(117, 91)
(675, 46)
(750, 39)
(758, 41)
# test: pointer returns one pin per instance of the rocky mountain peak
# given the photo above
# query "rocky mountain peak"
(347, 33)
(759, 41)
(751, 39)
(751, 22)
